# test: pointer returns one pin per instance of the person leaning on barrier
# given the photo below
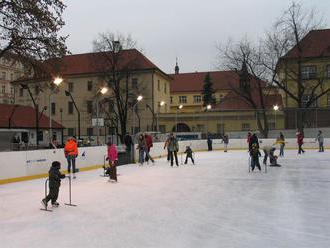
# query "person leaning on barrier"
(71, 153)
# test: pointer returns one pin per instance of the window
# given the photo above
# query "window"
(197, 99)
(165, 88)
(12, 90)
(200, 128)
(328, 100)
(36, 90)
(11, 76)
(171, 99)
(53, 107)
(89, 107)
(305, 99)
(328, 71)
(89, 131)
(4, 75)
(182, 99)
(221, 128)
(158, 85)
(3, 89)
(245, 126)
(271, 125)
(40, 136)
(70, 87)
(162, 128)
(221, 97)
(71, 132)
(70, 108)
(134, 83)
(308, 72)
(90, 85)
(21, 92)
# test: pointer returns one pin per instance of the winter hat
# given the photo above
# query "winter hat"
(56, 164)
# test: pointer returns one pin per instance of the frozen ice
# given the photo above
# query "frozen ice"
(215, 203)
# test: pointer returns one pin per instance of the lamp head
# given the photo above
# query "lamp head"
(208, 107)
(139, 98)
(180, 106)
(67, 93)
(104, 90)
(57, 81)
(275, 107)
(162, 103)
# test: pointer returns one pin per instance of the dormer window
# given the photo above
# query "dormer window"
(308, 72)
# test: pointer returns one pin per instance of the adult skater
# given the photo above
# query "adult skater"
(225, 140)
(71, 153)
(54, 184)
(255, 154)
(300, 142)
(113, 161)
(149, 144)
(253, 140)
(209, 142)
(173, 147)
(142, 147)
(320, 140)
(281, 141)
(248, 140)
(167, 142)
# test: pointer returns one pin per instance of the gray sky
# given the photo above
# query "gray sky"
(166, 29)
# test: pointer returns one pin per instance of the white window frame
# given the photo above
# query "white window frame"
(182, 99)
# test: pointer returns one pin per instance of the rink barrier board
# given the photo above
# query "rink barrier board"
(27, 165)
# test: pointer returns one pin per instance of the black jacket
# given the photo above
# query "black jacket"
(55, 176)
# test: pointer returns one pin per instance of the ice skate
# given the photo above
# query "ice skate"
(44, 203)
(55, 204)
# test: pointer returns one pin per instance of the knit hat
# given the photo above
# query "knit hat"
(56, 164)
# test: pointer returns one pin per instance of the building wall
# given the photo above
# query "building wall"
(9, 70)
(82, 96)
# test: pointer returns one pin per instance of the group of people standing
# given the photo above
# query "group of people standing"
(145, 143)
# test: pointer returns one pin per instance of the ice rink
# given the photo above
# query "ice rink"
(215, 203)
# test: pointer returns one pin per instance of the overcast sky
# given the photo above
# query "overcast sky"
(166, 29)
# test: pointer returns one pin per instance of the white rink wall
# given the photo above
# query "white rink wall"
(20, 164)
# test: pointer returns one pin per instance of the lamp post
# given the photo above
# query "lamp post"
(161, 104)
(67, 93)
(103, 91)
(275, 110)
(57, 81)
(138, 99)
(208, 107)
(176, 117)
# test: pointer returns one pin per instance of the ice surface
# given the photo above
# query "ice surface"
(215, 203)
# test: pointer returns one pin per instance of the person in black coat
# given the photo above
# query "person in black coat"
(253, 140)
(128, 142)
(209, 143)
(54, 183)
(189, 154)
(255, 154)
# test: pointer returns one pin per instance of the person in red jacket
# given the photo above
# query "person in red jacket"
(300, 141)
(149, 143)
(71, 152)
(113, 161)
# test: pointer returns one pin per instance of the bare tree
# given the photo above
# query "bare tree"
(244, 59)
(119, 62)
(283, 52)
(29, 30)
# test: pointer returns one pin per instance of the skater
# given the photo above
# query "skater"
(281, 141)
(269, 152)
(142, 148)
(248, 140)
(320, 139)
(54, 184)
(225, 141)
(300, 141)
(173, 147)
(255, 154)
(209, 143)
(71, 153)
(168, 150)
(189, 154)
(149, 144)
(113, 161)
(253, 140)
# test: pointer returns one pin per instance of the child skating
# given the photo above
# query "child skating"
(189, 154)
(111, 170)
(255, 154)
(55, 177)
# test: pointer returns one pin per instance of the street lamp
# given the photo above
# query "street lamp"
(275, 107)
(103, 91)
(161, 104)
(57, 81)
(208, 107)
(176, 117)
(138, 99)
(67, 93)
